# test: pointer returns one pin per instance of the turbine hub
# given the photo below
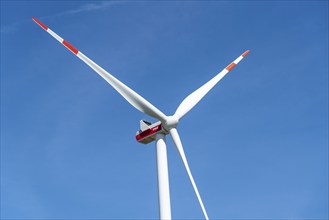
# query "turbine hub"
(171, 122)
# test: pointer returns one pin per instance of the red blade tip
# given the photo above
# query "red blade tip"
(245, 53)
(39, 23)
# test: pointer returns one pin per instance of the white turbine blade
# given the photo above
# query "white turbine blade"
(179, 146)
(131, 96)
(190, 101)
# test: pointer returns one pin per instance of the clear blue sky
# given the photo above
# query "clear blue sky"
(257, 144)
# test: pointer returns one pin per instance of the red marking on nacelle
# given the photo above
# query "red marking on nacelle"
(70, 47)
(148, 133)
(39, 23)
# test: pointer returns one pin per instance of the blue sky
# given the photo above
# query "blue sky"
(257, 144)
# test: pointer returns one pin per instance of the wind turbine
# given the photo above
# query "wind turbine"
(157, 131)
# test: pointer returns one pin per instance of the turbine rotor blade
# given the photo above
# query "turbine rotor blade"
(175, 136)
(130, 95)
(190, 101)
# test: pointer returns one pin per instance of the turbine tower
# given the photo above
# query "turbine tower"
(157, 131)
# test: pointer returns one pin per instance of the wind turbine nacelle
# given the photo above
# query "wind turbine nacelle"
(148, 131)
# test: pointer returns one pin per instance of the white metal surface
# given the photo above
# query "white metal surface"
(190, 101)
(130, 95)
(175, 136)
(163, 179)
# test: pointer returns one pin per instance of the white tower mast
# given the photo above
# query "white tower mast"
(163, 178)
